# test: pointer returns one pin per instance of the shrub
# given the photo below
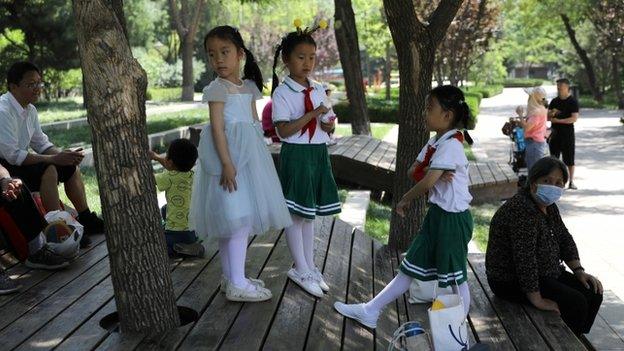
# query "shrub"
(521, 82)
(487, 91)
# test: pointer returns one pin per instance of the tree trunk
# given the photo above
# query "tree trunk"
(416, 44)
(349, 50)
(388, 72)
(589, 67)
(617, 84)
(188, 89)
(134, 236)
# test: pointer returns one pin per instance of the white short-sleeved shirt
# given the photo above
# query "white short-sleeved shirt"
(449, 155)
(288, 105)
(19, 130)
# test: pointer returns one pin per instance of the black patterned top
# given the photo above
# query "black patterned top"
(526, 244)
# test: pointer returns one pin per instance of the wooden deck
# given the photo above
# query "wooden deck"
(370, 163)
(61, 310)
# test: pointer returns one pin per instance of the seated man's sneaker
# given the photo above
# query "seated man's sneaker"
(7, 285)
(358, 313)
(92, 223)
(46, 259)
(252, 293)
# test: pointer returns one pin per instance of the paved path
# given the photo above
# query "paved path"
(594, 214)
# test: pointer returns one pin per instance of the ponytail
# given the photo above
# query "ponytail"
(451, 98)
(275, 59)
(251, 69)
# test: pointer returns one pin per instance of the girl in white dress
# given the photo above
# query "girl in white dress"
(236, 191)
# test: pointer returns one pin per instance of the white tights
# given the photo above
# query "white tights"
(233, 251)
(300, 240)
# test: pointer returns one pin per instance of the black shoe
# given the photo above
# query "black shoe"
(92, 223)
(46, 259)
(85, 241)
(7, 285)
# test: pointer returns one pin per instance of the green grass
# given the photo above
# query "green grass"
(62, 110)
(379, 130)
(521, 82)
(91, 188)
(482, 216)
(486, 91)
(609, 102)
(164, 94)
(156, 123)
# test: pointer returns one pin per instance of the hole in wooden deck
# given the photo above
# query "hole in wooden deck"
(110, 322)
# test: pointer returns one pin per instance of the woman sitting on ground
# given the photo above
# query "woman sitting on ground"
(527, 246)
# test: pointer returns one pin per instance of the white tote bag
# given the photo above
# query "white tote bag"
(425, 291)
(449, 330)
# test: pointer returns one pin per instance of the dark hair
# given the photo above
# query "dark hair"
(251, 69)
(451, 98)
(565, 81)
(286, 47)
(183, 154)
(16, 72)
(543, 167)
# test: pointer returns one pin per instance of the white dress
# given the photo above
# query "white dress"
(258, 203)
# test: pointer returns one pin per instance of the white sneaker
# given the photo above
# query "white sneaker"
(357, 312)
(226, 282)
(320, 280)
(253, 293)
(306, 281)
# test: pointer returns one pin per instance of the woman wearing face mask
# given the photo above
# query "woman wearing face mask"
(528, 245)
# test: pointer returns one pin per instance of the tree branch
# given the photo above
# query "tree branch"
(199, 9)
(16, 44)
(177, 20)
(441, 18)
(393, 9)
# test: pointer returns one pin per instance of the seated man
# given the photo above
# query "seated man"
(48, 165)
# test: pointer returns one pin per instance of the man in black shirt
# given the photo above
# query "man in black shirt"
(563, 112)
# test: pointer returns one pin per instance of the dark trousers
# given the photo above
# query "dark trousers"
(176, 236)
(21, 222)
(577, 304)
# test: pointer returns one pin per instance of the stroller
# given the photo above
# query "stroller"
(515, 132)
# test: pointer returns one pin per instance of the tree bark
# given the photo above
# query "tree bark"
(186, 21)
(617, 84)
(349, 50)
(589, 67)
(388, 72)
(416, 44)
(116, 104)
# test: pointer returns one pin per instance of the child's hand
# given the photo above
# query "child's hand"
(321, 110)
(447, 176)
(153, 155)
(402, 206)
(228, 178)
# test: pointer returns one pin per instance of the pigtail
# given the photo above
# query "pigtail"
(465, 118)
(251, 69)
(275, 59)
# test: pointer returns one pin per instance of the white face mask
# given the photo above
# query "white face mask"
(548, 194)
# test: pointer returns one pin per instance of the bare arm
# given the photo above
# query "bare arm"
(286, 129)
(419, 189)
(217, 122)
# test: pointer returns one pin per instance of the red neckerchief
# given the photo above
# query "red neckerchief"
(419, 171)
(310, 127)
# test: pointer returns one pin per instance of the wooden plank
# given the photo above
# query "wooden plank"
(343, 144)
(475, 177)
(31, 298)
(360, 289)
(486, 174)
(203, 296)
(483, 317)
(508, 171)
(402, 304)
(359, 144)
(367, 151)
(326, 328)
(54, 304)
(554, 331)
(386, 160)
(603, 337)
(612, 311)
(290, 325)
(501, 172)
(382, 274)
(499, 177)
(519, 327)
(377, 155)
(254, 320)
(28, 278)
